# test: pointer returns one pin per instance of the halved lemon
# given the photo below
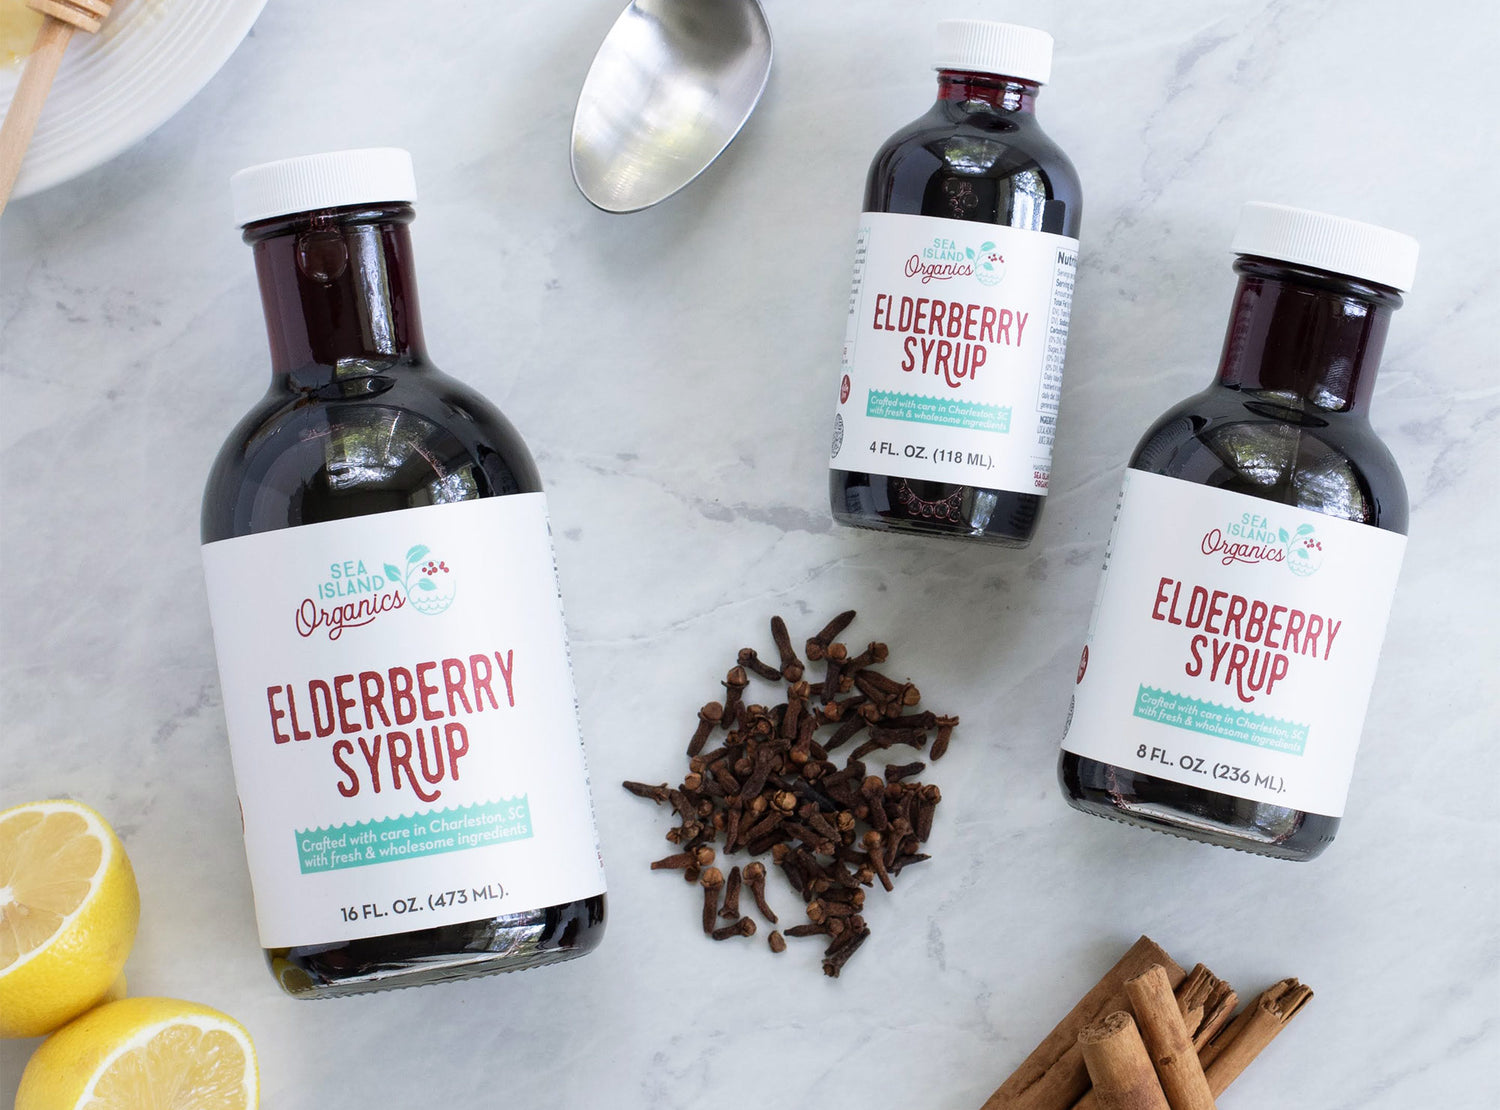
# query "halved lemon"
(144, 1052)
(68, 912)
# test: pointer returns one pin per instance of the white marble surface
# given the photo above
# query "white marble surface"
(671, 371)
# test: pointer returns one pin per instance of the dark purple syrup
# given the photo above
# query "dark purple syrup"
(357, 421)
(976, 151)
(1288, 421)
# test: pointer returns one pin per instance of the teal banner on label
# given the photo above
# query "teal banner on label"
(433, 833)
(1223, 721)
(946, 412)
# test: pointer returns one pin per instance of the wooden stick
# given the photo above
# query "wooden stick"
(1054, 1075)
(1233, 1050)
(1168, 1041)
(63, 17)
(1119, 1065)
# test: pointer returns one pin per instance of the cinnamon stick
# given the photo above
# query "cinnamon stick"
(1206, 1002)
(1054, 1075)
(1168, 1042)
(1233, 1050)
(1119, 1065)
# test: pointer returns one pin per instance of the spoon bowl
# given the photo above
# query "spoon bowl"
(669, 89)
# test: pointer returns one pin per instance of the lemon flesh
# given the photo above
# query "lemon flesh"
(160, 1053)
(68, 914)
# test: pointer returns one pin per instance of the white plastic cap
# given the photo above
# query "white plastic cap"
(1004, 49)
(1330, 243)
(316, 181)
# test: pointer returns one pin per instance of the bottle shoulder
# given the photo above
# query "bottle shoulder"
(1329, 463)
(1014, 172)
(375, 443)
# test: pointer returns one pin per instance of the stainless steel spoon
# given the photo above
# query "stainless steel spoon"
(671, 86)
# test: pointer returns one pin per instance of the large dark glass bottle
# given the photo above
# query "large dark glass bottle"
(1286, 421)
(357, 421)
(977, 155)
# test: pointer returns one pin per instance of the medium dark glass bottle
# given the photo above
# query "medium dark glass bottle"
(1286, 422)
(357, 421)
(978, 156)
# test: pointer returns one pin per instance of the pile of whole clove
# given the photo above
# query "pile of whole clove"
(773, 787)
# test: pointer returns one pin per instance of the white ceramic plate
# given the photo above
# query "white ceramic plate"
(115, 87)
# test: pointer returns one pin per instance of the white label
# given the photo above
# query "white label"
(954, 352)
(402, 720)
(1233, 643)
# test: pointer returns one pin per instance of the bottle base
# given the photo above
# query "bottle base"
(517, 942)
(927, 528)
(1160, 805)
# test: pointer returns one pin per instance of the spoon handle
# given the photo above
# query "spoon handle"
(31, 92)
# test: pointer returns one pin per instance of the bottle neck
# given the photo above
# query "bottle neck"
(988, 92)
(339, 291)
(1307, 338)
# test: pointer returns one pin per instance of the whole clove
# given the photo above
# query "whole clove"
(732, 894)
(744, 927)
(773, 787)
(712, 880)
(708, 719)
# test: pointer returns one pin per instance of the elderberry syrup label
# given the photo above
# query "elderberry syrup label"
(954, 352)
(1233, 643)
(402, 720)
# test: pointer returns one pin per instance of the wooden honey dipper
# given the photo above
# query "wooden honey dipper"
(63, 17)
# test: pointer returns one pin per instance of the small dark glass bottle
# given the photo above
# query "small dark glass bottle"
(925, 440)
(358, 422)
(1204, 750)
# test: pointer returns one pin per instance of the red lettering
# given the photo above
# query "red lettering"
(507, 669)
(1197, 606)
(457, 739)
(1333, 630)
(372, 689)
(1295, 619)
(402, 702)
(298, 732)
(1213, 611)
(428, 692)
(434, 775)
(276, 715)
(1195, 647)
(1232, 618)
(322, 707)
(344, 702)
(454, 678)
(401, 761)
(1161, 599)
(372, 758)
(341, 748)
(479, 667)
